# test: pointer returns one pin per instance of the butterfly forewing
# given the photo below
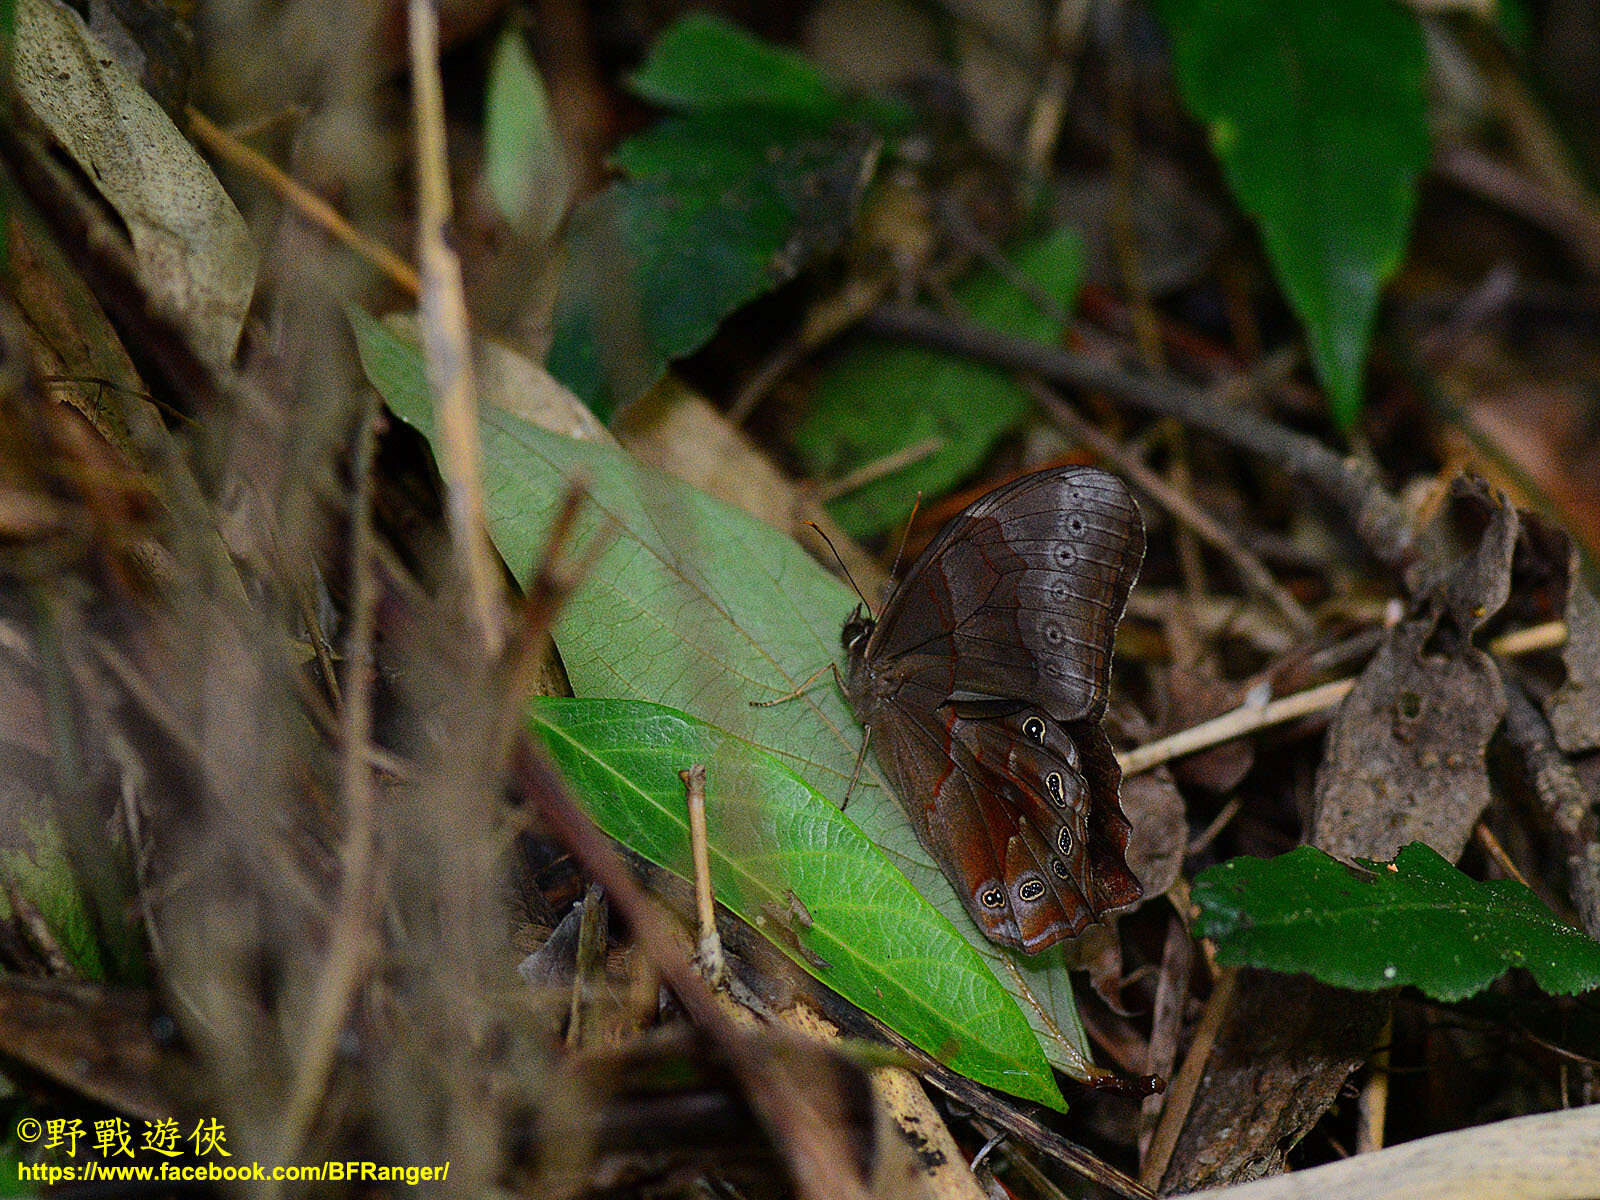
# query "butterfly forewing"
(1023, 592)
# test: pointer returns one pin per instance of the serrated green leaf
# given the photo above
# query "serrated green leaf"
(523, 161)
(878, 397)
(701, 607)
(702, 61)
(1317, 113)
(1416, 921)
(771, 836)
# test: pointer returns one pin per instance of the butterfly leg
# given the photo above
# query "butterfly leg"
(803, 688)
(855, 772)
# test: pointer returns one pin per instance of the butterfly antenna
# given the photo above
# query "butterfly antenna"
(905, 536)
(836, 558)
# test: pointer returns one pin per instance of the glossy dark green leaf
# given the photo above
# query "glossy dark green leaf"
(1416, 921)
(759, 171)
(878, 397)
(1316, 111)
(703, 61)
(701, 607)
(720, 207)
(792, 865)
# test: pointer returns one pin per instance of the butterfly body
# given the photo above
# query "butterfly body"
(984, 683)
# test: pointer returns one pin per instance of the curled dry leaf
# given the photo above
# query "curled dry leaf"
(1197, 694)
(1556, 589)
(675, 428)
(510, 380)
(194, 253)
(1160, 831)
(1574, 708)
(1405, 752)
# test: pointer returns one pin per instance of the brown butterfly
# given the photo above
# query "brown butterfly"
(983, 685)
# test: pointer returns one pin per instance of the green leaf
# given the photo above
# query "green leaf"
(878, 397)
(1317, 112)
(721, 207)
(701, 607)
(703, 61)
(771, 836)
(35, 866)
(1415, 921)
(523, 162)
(760, 171)
(8, 29)
(1514, 23)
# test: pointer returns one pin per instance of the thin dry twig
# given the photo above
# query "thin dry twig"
(1206, 836)
(1498, 854)
(1180, 1096)
(350, 937)
(1238, 723)
(1124, 166)
(590, 957)
(1249, 719)
(304, 201)
(1166, 1021)
(1566, 801)
(1377, 517)
(1252, 572)
(1050, 103)
(879, 467)
(710, 945)
(555, 577)
(1373, 1107)
(446, 340)
(1003, 1115)
(817, 1160)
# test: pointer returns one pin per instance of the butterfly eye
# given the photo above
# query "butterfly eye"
(1064, 841)
(1031, 890)
(1058, 868)
(1033, 730)
(992, 898)
(1057, 790)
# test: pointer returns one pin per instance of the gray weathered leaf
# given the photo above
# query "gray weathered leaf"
(193, 250)
(1405, 753)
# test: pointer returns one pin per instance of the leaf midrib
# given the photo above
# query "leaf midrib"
(832, 942)
(650, 547)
